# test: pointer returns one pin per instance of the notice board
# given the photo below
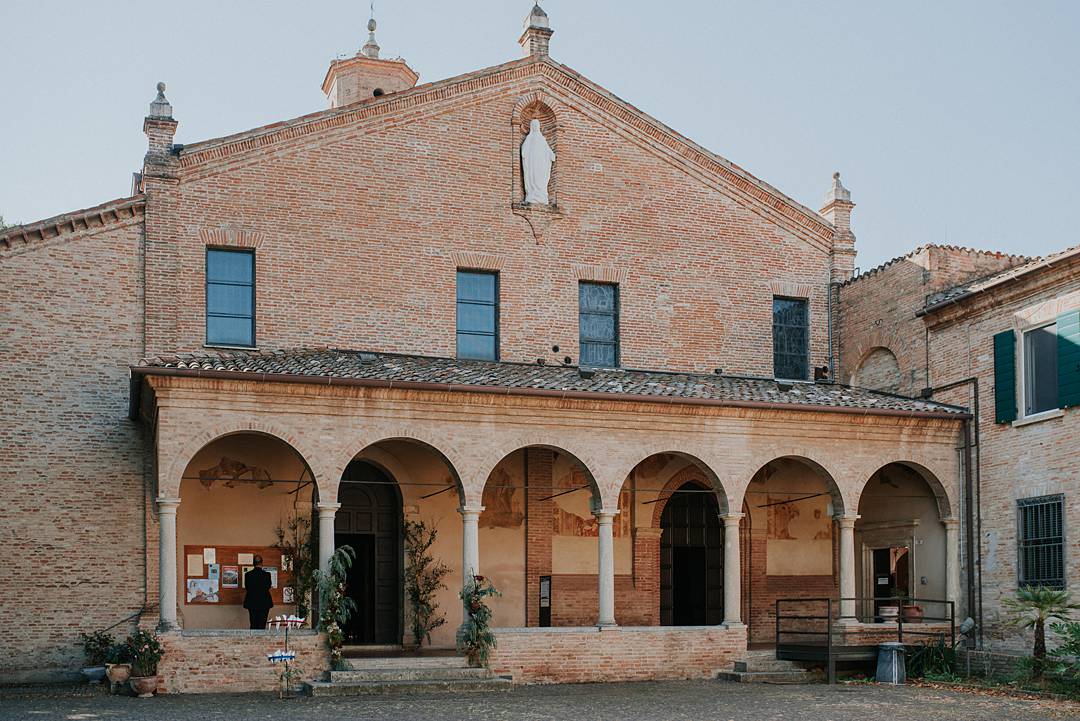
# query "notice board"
(214, 575)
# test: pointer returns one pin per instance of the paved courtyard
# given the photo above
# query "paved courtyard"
(691, 700)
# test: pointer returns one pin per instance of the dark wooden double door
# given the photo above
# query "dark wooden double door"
(691, 559)
(369, 520)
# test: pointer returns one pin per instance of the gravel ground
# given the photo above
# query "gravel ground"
(689, 700)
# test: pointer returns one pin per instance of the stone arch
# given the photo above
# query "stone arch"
(169, 483)
(447, 452)
(842, 505)
(944, 499)
(529, 107)
(689, 474)
(891, 340)
(486, 465)
(878, 369)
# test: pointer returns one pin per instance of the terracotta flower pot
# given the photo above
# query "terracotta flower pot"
(143, 686)
(913, 614)
(117, 672)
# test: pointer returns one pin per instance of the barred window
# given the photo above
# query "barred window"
(791, 339)
(1042, 542)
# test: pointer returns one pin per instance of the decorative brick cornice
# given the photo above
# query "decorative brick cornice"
(600, 273)
(226, 238)
(477, 261)
(79, 222)
(736, 182)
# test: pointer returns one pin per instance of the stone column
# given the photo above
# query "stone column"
(952, 560)
(606, 544)
(732, 571)
(327, 512)
(167, 563)
(847, 567)
(470, 547)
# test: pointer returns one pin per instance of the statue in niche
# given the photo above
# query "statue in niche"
(536, 159)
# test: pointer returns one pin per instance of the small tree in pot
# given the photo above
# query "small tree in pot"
(477, 640)
(423, 579)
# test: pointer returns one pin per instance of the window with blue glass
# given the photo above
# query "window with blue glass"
(477, 315)
(791, 339)
(598, 324)
(230, 297)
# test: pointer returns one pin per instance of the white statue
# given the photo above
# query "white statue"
(536, 159)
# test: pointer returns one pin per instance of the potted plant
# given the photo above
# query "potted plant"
(118, 664)
(96, 646)
(146, 652)
(913, 613)
(476, 638)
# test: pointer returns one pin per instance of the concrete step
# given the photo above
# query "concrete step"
(364, 688)
(751, 665)
(781, 677)
(455, 673)
(404, 662)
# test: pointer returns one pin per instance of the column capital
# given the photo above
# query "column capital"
(167, 505)
(952, 523)
(327, 510)
(474, 511)
(605, 517)
(731, 519)
(847, 521)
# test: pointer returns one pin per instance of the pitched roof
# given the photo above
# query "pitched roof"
(927, 246)
(344, 367)
(87, 219)
(965, 290)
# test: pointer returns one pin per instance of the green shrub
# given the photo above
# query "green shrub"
(96, 646)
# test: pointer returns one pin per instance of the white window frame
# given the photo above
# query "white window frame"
(1022, 416)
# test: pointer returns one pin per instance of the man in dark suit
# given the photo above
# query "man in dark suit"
(257, 598)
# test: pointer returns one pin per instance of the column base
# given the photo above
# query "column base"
(847, 621)
(607, 626)
(168, 627)
(734, 625)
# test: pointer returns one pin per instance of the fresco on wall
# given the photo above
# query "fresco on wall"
(502, 501)
(231, 471)
(574, 527)
(799, 536)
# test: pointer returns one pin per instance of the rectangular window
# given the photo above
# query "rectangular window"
(230, 297)
(791, 338)
(1040, 369)
(598, 324)
(477, 315)
(1042, 542)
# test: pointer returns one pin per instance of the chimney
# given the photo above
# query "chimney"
(534, 41)
(160, 129)
(837, 210)
(366, 75)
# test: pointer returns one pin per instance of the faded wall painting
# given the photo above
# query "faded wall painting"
(574, 528)
(798, 536)
(503, 501)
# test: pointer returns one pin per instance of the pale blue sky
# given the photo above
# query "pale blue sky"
(954, 120)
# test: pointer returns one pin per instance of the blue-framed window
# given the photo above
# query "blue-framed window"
(598, 324)
(477, 315)
(791, 339)
(230, 297)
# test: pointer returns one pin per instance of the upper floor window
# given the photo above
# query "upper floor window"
(477, 315)
(598, 324)
(1040, 369)
(230, 297)
(791, 338)
(1042, 542)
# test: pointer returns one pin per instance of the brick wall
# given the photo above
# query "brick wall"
(231, 662)
(71, 463)
(578, 655)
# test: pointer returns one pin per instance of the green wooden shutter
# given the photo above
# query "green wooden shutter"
(1005, 377)
(1068, 358)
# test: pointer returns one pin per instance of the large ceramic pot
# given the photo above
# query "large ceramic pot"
(94, 674)
(888, 614)
(913, 613)
(143, 686)
(118, 672)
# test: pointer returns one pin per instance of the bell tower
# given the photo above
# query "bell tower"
(366, 75)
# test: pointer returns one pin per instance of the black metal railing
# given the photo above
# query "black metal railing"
(805, 627)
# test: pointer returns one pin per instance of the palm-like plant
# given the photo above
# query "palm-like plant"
(1033, 607)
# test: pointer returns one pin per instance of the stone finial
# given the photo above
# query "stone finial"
(537, 35)
(837, 193)
(160, 107)
(837, 210)
(371, 48)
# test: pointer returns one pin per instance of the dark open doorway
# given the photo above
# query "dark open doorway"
(691, 559)
(369, 520)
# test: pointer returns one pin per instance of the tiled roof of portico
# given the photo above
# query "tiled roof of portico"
(344, 367)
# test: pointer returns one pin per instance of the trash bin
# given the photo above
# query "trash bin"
(890, 663)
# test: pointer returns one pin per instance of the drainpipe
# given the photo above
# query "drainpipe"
(833, 290)
(972, 498)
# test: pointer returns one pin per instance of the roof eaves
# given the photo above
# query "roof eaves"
(94, 218)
